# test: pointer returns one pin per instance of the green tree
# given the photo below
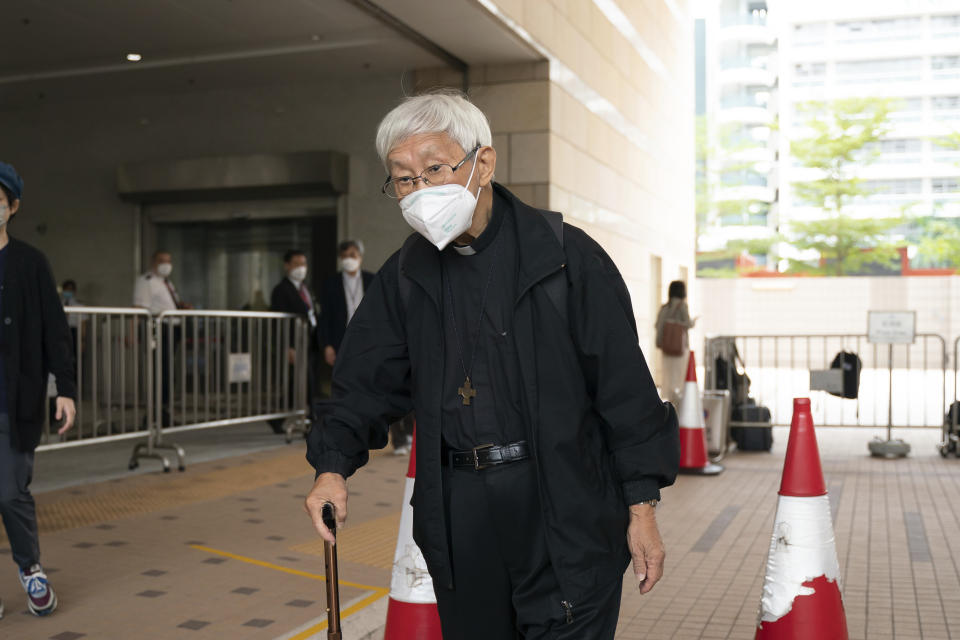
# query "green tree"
(840, 134)
(939, 242)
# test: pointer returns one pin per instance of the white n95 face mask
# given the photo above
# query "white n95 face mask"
(298, 273)
(350, 265)
(441, 213)
(164, 269)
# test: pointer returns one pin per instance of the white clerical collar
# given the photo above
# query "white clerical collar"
(347, 276)
(465, 250)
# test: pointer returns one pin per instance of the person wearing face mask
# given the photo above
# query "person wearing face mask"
(35, 341)
(341, 296)
(155, 291)
(292, 295)
(542, 444)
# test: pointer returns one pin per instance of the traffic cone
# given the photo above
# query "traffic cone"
(801, 589)
(412, 610)
(693, 434)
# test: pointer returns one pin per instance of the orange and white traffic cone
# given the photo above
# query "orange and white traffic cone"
(412, 610)
(693, 430)
(801, 589)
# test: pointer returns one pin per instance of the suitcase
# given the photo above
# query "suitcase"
(758, 438)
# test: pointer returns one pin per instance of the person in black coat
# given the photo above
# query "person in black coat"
(542, 443)
(340, 297)
(293, 295)
(35, 341)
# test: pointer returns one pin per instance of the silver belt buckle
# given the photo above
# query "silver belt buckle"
(476, 459)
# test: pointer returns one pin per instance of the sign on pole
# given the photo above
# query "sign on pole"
(891, 327)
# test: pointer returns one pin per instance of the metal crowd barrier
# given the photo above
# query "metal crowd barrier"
(112, 350)
(902, 385)
(220, 368)
(140, 376)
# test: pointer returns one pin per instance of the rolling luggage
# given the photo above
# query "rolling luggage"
(752, 438)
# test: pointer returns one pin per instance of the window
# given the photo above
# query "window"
(884, 70)
(945, 66)
(945, 107)
(945, 26)
(945, 103)
(895, 187)
(886, 29)
(907, 110)
(946, 185)
(809, 34)
(894, 151)
(809, 73)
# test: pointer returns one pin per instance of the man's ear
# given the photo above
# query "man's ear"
(486, 165)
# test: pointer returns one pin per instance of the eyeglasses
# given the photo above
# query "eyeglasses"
(433, 175)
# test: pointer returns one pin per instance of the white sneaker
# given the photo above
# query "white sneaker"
(41, 600)
(401, 451)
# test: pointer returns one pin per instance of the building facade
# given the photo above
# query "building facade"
(908, 52)
(740, 88)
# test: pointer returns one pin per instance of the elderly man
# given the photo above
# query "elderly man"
(542, 443)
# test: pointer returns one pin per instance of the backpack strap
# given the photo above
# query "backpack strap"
(556, 286)
(402, 280)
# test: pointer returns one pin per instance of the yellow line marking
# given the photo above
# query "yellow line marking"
(378, 592)
(373, 597)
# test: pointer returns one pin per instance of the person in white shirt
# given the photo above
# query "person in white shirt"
(155, 292)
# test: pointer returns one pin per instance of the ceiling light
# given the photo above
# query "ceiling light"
(134, 57)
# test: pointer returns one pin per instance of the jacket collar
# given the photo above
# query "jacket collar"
(539, 252)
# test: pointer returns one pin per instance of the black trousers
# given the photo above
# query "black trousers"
(16, 503)
(504, 584)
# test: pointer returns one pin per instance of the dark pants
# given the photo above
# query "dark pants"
(16, 504)
(504, 584)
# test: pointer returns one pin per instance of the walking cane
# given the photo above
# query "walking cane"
(333, 580)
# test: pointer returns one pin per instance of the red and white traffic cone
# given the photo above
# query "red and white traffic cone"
(412, 611)
(693, 430)
(801, 589)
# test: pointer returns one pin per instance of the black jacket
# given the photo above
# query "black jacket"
(35, 342)
(333, 308)
(286, 299)
(602, 438)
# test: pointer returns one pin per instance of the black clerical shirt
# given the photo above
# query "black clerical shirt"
(496, 414)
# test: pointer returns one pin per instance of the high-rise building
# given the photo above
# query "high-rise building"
(906, 51)
(740, 85)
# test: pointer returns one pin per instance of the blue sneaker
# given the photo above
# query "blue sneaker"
(41, 599)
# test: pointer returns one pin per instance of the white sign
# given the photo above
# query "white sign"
(891, 327)
(240, 369)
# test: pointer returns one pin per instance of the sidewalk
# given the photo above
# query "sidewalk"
(224, 550)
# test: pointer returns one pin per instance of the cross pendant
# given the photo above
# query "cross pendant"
(467, 392)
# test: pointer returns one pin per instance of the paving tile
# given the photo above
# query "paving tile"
(300, 603)
(246, 591)
(68, 635)
(258, 623)
(150, 593)
(214, 561)
(193, 625)
(154, 573)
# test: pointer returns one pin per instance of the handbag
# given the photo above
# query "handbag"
(673, 341)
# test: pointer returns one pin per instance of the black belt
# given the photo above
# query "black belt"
(486, 455)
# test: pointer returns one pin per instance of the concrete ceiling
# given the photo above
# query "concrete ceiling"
(81, 46)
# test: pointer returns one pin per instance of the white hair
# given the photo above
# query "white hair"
(446, 112)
